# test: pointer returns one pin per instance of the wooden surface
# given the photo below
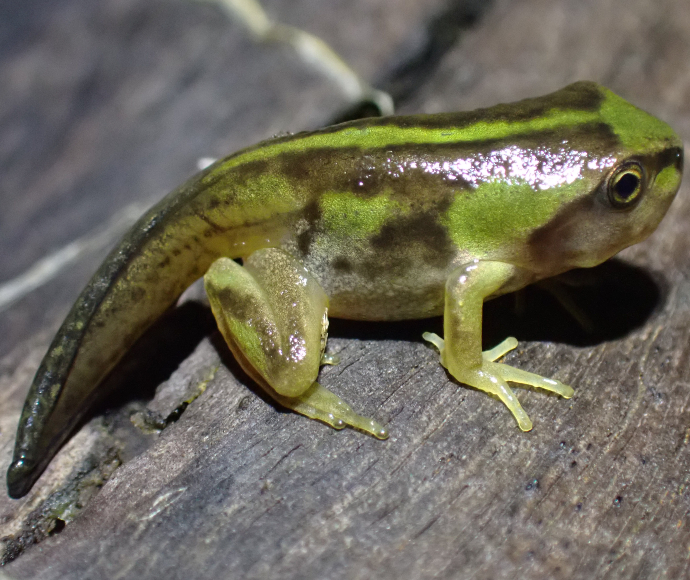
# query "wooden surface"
(107, 103)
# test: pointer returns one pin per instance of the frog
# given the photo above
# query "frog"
(379, 219)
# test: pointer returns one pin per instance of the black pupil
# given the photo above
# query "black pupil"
(627, 185)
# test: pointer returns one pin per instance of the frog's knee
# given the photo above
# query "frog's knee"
(272, 313)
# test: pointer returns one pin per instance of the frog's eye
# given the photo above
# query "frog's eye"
(626, 184)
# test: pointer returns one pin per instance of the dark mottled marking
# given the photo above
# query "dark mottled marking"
(300, 165)
(241, 306)
(671, 156)
(304, 241)
(423, 229)
(312, 214)
(164, 263)
(342, 264)
(236, 305)
(137, 293)
(245, 172)
(315, 166)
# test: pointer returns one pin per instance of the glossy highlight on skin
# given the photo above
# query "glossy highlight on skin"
(540, 168)
(378, 219)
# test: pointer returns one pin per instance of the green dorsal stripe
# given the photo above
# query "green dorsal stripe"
(405, 133)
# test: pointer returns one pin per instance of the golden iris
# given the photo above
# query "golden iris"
(626, 184)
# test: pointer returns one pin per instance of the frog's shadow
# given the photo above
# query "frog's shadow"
(615, 297)
(605, 303)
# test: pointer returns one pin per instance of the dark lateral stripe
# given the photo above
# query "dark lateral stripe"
(316, 167)
(671, 156)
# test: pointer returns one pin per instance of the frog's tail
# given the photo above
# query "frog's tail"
(170, 247)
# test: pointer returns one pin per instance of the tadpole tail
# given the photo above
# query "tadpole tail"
(140, 279)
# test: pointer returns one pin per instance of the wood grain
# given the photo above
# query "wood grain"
(112, 102)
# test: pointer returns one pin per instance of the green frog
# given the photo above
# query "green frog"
(390, 218)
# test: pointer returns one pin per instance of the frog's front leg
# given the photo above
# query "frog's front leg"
(461, 353)
(273, 315)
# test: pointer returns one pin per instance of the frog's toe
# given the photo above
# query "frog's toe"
(514, 375)
(436, 340)
(490, 379)
(510, 400)
(500, 349)
(365, 424)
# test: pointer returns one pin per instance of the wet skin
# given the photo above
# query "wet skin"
(379, 219)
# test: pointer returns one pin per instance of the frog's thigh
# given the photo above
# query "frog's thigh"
(273, 315)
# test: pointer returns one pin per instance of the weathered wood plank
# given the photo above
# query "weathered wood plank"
(236, 488)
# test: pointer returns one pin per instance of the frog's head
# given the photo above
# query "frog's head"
(633, 176)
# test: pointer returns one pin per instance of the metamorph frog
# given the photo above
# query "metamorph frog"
(378, 219)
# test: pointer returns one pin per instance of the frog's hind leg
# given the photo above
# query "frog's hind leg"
(273, 316)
